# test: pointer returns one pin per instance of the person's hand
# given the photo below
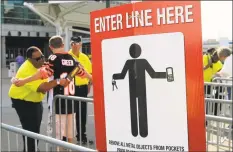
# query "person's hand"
(18, 82)
(218, 74)
(81, 71)
(46, 71)
(13, 79)
(86, 75)
(64, 82)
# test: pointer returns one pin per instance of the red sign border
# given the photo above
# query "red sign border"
(193, 60)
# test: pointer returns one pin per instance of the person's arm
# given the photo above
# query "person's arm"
(87, 75)
(121, 75)
(79, 71)
(87, 70)
(46, 86)
(43, 73)
(226, 70)
(43, 85)
(207, 62)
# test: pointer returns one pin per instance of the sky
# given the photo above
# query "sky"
(216, 19)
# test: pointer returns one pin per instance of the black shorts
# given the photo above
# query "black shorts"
(68, 108)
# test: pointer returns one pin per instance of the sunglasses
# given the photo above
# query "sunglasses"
(39, 58)
(75, 43)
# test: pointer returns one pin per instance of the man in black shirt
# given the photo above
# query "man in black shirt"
(62, 64)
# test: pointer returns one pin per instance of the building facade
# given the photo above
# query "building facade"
(21, 28)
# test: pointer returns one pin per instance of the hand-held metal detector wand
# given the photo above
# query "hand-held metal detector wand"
(72, 74)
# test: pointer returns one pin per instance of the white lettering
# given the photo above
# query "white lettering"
(119, 21)
(96, 25)
(108, 23)
(128, 17)
(67, 62)
(113, 22)
(102, 24)
(138, 18)
(174, 15)
(179, 11)
(169, 15)
(188, 13)
(161, 16)
(52, 57)
(148, 17)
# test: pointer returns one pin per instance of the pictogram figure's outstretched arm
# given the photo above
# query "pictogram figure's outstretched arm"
(121, 75)
(153, 74)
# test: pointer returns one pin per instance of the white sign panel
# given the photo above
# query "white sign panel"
(146, 109)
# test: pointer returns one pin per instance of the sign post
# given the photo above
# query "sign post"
(148, 78)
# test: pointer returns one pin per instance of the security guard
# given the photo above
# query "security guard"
(81, 86)
(27, 99)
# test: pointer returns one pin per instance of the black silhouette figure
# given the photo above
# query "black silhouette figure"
(137, 87)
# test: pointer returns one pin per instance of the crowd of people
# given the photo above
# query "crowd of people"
(65, 73)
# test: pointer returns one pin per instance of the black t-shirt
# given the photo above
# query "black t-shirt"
(62, 64)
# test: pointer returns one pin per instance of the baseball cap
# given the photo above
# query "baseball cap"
(76, 39)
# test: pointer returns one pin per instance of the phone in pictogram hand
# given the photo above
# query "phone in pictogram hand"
(170, 75)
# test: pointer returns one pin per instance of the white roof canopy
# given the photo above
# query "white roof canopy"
(65, 15)
(69, 13)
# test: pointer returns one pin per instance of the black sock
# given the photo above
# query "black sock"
(64, 138)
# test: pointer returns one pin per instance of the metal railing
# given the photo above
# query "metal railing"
(218, 97)
(216, 90)
(37, 137)
(218, 103)
(218, 133)
(58, 129)
(218, 107)
(218, 127)
(222, 80)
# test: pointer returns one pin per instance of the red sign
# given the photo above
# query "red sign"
(168, 37)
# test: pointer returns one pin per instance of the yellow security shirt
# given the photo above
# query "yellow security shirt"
(28, 92)
(86, 63)
(210, 72)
